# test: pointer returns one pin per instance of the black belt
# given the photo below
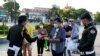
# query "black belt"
(75, 37)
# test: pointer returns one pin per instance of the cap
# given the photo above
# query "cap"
(86, 15)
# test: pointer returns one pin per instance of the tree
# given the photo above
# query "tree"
(97, 17)
(79, 12)
(69, 12)
(53, 12)
(74, 13)
(12, 8)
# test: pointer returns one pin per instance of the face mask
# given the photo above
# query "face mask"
(55, 25)
(65, 23)
(41, 26)
(69, 24)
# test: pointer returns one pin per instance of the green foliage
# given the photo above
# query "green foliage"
(2, 32)
(37, 26)
(61, 13)
(73, 13)
(53, 12)
(1, 29)
(69, 13)
(79, 12)
(66, 12)
(5, 0)
(12, 8)
(97, 17)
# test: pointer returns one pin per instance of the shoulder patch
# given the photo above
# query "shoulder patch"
(92, 31)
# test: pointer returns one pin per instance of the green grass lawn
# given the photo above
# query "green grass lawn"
(0, 23)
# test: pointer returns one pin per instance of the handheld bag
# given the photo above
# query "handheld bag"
(45, 44)
(72, 45)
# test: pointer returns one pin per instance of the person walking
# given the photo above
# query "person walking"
(89, 34)
(57, 38)
(42, 34)
(16, 36)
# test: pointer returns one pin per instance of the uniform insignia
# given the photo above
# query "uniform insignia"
(92, 31)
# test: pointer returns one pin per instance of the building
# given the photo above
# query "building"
(37, 12)
(3, 13)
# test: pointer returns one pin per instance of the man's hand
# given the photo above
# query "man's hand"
(46, 38)
(50, 40)
(53, 40)
(39, 36)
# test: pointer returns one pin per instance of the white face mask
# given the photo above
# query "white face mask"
(41, 26)
(55, 25)
(65, 23)
(70, 24)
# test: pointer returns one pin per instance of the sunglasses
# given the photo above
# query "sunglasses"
(71, 21)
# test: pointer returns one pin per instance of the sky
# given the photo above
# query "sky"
(90, 5)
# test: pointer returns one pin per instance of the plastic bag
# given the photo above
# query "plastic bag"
(72, 45)
(46, 44)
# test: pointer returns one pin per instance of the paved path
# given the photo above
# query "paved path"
(3, 47)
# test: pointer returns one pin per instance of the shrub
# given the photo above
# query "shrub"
(2, 32)
(1, 29)
(37, 26)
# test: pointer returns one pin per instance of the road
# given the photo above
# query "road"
(3, 47)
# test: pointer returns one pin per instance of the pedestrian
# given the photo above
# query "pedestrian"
(27, 47)
(68, 30)
(75, 34)
(89, 34)
(50, 27)
(16, 36)
(57, 38)
(75, 29)
(42, 34)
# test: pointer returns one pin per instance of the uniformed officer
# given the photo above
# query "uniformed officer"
(87, 41)
(16, 36)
